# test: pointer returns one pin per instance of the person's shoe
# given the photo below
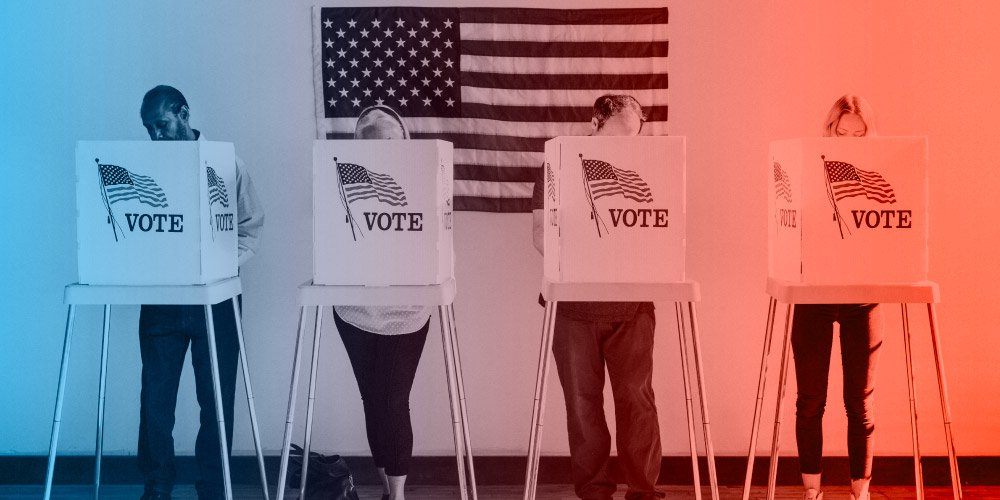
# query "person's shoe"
(868, 496)
(813, 494)
(154, 495)
(385, 496)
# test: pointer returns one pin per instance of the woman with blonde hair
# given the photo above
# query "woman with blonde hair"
(384, 345)
(861, 328)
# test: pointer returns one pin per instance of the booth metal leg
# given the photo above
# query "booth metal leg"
(99, 448)
(290, 415)
(956, 484)
(688, 403)
(246, 381)
(537, 412)
(910, 384)
(782, 378)
(460, 376)
(60, 392)
(313, 371)
(453, 396)
(759, 405)
(699, 371)
(219, 415)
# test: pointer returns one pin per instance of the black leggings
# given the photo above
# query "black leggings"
(812, 340)
(384, 366)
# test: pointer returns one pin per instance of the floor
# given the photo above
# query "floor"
(545, 492)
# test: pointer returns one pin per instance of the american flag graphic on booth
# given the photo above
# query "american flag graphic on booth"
(604, 179)
(846, 181)
(118, 184)
(359, 183)
(497, 83)
(550, 180)
(216, 189)
(782, 184)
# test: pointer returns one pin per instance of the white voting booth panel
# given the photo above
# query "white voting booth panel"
(614, 209)
(382, 212)
(848, 210)
(156, 213)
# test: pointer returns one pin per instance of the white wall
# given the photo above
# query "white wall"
(742, 74)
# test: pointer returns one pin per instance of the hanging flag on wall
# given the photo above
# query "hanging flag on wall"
(497, 83)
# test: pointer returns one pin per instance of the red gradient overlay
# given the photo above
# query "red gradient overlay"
(742, 75)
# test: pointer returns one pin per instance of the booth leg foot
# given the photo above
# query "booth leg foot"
(313, 371)
(460, 377)
(688, 402)
(102, 387)
(782, 379)
(538, 409)
(250, 401)
(956, 483)
(759, 405)
(699, 371)
(290, 414)
(60, 392)
(217, 391)
(918, 473)
(453, 396)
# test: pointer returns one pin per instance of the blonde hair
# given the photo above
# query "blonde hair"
(850, 104)
(370, 122)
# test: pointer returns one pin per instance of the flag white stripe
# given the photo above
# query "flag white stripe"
(564, 32)
(494, 189)
(498, 159)
(546, 97)
(545, 130)
(564, 65)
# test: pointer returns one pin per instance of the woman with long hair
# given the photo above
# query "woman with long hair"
(861, 328)
(384, 345)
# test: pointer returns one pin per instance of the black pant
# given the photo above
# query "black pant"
(384, 366)
(581, 349)
(165, 332)
(812, 340)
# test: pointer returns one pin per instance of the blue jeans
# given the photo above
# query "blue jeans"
(165, 333)
(581, 349)
(861, 328)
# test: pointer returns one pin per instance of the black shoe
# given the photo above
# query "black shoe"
(154, 495)
(385, 496)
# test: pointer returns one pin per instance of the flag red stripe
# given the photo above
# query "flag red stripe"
(567, 82)
(657, 48)
(565, 16)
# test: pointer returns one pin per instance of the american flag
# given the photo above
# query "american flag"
(216, 189)
(495, 82)
(119, 185)
(604, 179)
(782, 184)
(846, 181)
(360, 183)
(550, 180)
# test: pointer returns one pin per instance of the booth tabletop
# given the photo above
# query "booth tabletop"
(212, 293)
(685, 291)
(924, 292)
(359, 295)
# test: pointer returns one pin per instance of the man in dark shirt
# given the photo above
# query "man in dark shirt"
(589, 335)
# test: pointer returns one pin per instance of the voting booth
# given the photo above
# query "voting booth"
(156, 213)
(614, 209)
(848, 211)
(382, 236)
(614, 231)
(848, 224)
(382, 212)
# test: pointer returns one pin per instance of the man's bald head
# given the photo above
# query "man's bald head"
(165, 115)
